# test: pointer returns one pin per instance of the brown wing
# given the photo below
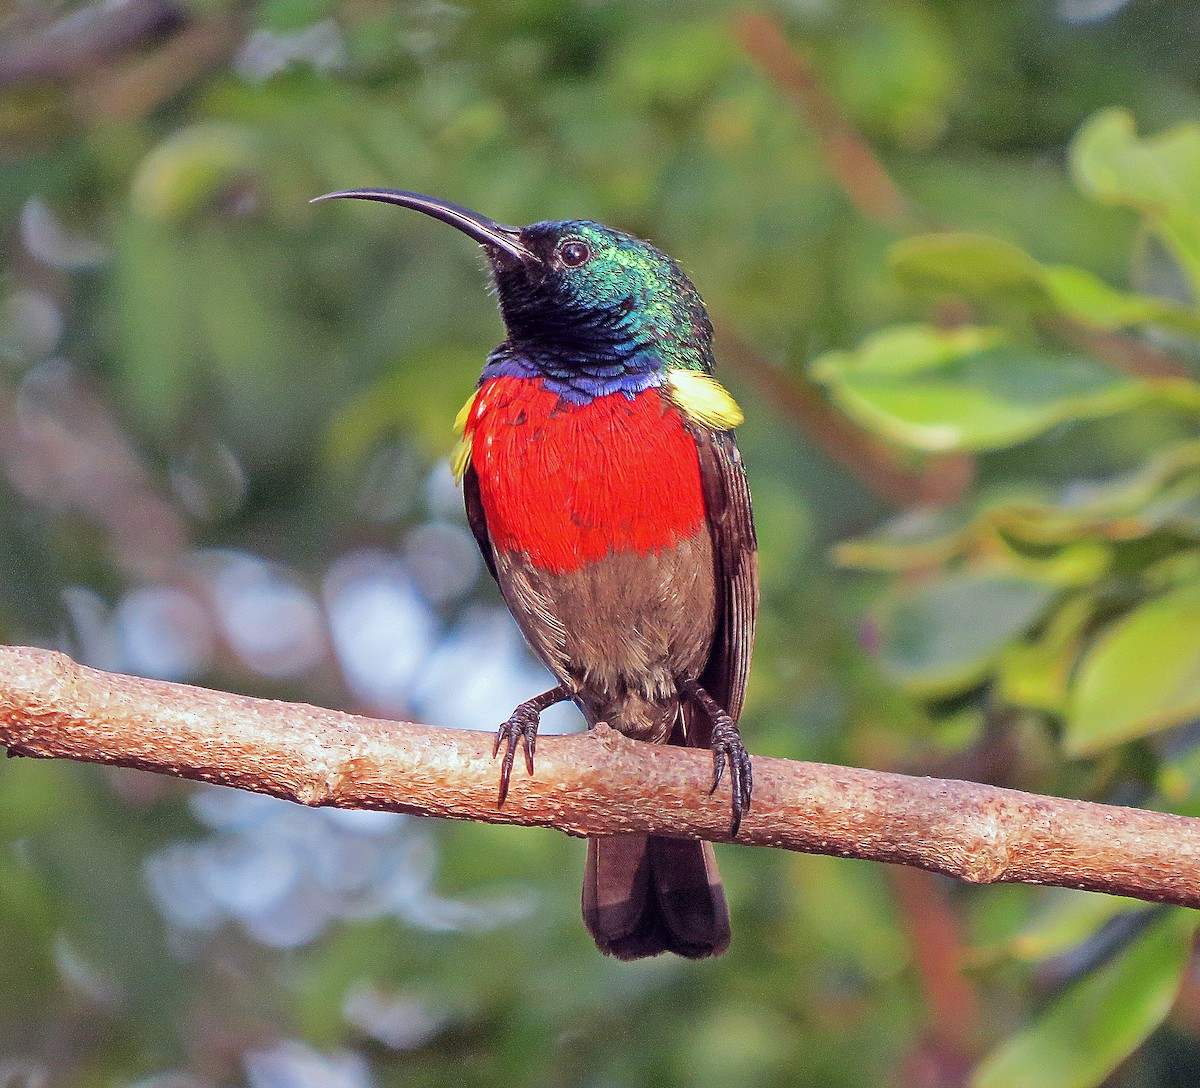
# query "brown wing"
(735, 554)
(477, 519)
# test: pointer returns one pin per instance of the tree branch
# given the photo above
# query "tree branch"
(850, 159)
(594, 783)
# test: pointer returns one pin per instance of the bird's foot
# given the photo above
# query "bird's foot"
(521, 731)
(727, 749)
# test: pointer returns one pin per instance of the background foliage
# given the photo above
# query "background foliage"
(953, 250)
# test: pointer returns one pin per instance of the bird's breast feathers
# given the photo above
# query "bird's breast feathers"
(567, 484)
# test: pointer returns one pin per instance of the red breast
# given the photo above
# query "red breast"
(569, 483)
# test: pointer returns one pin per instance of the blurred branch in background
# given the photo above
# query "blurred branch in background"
(60, 444)
(858, 171)
(851, 161)
(85, 39)
(592, 784)
(1124, 353)
(950, 1046)
(139, 87)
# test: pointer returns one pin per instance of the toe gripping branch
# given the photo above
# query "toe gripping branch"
(521, 729)
(727, 747)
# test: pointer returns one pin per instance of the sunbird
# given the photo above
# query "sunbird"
(606, 491)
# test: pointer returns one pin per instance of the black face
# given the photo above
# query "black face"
(589, 291)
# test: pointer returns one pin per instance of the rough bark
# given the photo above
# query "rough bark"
(596, 783)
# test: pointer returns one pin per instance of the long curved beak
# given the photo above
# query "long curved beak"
(485, 231)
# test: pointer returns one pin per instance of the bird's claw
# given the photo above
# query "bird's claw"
(727, 748)
(520, 729)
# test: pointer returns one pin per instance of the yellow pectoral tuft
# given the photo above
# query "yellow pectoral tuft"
(703, 399)
(461, 457)
(464, 413)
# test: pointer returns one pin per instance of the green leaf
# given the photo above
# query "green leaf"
(840, 907)
(1082, 296)
(901, 350)
(1178, 778)
(946, 635)
(987, 400)
(403, 402)
(158, 358)
(972, 264)
(183, 174)
(985, 268)
(1064, 919)
(1036, 673)
(1161, 495)
(1099, 1022)
(1159, 176)
(1142, 675)
(896, 71)
(920, 538)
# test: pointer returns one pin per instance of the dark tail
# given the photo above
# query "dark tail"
(643, 895)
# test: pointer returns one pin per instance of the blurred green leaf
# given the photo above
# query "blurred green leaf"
(404, 402)
(157, 362)
(1064, 920)
(989, 270)
(1082, 296)
(1178, 777)
(1037, 672)
(1160, 495)
(1141, 675)
(896, 70)
(295, 14)
(676, 71)
(904, 350)
(1159, 176)
(975, 265)
(190, 168)
(1095, 1025)
(946, 635)
(981, 401)
(842, 910)
(913, 540)
(1076, 563)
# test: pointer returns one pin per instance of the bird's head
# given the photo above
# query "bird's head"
(577, 291)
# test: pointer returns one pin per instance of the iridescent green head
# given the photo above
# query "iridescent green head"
(588, 289)
(577, 293)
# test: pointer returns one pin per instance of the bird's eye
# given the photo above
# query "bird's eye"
(573, 254)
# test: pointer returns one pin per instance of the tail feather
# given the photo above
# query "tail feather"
(643, 895)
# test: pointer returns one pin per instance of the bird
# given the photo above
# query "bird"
(605, 488)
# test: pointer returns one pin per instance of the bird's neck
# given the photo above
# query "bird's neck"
(577, 378)
(584, 352)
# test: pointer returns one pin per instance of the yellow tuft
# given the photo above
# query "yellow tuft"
(703, 399)
(461, 457)
(464, 413)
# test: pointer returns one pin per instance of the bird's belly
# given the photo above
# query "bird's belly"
(624, 630)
